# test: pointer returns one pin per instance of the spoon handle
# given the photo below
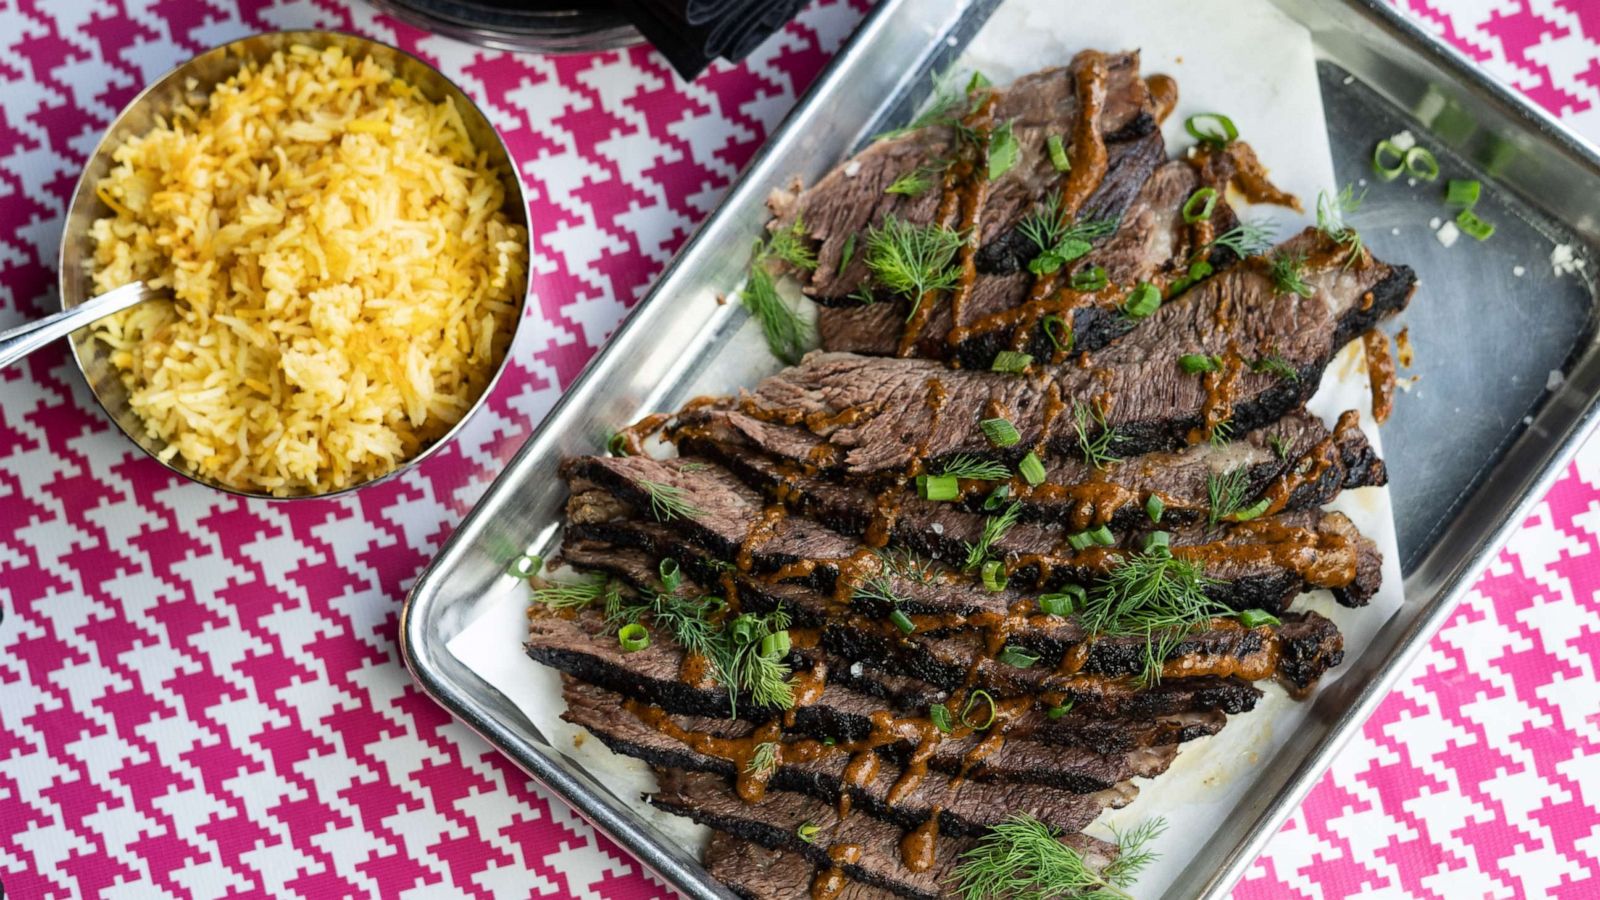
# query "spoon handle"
(19, 342)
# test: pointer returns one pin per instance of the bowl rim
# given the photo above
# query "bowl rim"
(320, 38)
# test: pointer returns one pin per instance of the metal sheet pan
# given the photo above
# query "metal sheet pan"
(1509, 371)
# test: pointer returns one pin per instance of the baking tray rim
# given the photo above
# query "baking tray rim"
(419, 648)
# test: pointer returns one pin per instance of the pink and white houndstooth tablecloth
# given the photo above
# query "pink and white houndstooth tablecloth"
(200, 697)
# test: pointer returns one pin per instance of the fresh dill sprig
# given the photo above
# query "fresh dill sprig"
(763, 760)
(914, 183)
(572, 594)
(1288, 273)
(965, 465)
(994, 529)
(1221, 433)
(1331, 213)
(1227, 494)
(1096, 450)
(1057, 241)
(787, 334)
(1155, 596)
(913, 260)
(1024, 859)
(1135, 853)
(1044, 227)
(666, 501)
(943, 107)
(908, 565)
(1278, 445)
(1276, 365)
(880, 590)
(1247, 238)
(746, 661)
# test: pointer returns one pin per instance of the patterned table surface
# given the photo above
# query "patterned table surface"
(200, 696)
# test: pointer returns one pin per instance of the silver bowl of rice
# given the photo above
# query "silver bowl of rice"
(344, 240)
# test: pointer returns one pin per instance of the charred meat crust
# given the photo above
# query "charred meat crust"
(753, 872)
(961, 812)
(776, 825)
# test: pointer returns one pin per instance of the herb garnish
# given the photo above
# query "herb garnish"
(944, 105)
(1273, 364)
(965, 465)
(1331, 212)
(573, 594)
(1003, 150)
(1288, 271)
(1096, 451)
(914, 183)
(787, 334)
(1156, 596)
(994, 529)
(1278, 445)
(1227, 493)
(913, 260)
(666, 501)
(763, 760)
(1058, 241)
(1221, 433)
(1247, 238)
(1024, 858)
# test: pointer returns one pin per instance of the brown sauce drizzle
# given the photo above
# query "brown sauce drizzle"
(1380, 371)
(1402, 344)
(917, 847)
(633, 436)
(1222, 388)
(831, 882)
(1163, 95)
(1311, 465)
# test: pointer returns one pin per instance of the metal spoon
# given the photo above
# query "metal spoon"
(19, 342)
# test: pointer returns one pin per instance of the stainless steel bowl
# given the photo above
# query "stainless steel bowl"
(207, 70)
(539, 26)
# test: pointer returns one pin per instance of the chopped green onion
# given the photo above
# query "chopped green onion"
(1017, 659)
(1080, 540)
(1003, 150)
(997, 498)
(972, 701)
(1057, 712)
(617, 445)
(941, 718)
(1156, 539)
(1199, 206)
(1255, 618)
(828, 742)
(1058, 153)
(670, 576)
(1387, 150)
(1031, 469)
(633, 637)
(1143, 301)
(1053, 324)
(994, 575)
(1101, 535)
(1222, 136)
(1063, 602)
(1011, 361)
(524, 566)
(808, 832)
(744, 628)
(1090, 279)
(938, 487)
(848, 253)
(1000, 432)
(902, 622)
(775, 645)
(1421, 163)
(977, 82)
(1469, 222)
(1459, 192)
(1253, 511)
(1154, 507)
(1195, 363)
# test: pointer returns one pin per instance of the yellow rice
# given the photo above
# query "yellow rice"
(345, 278)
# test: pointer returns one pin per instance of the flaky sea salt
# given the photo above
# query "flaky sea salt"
(1405, 140)
(1554, 380)
(1519, 271)
(1564, 261)
(852, 168)
(1448, 234)
(1434, 223)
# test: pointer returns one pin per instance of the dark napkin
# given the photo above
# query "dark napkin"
(691, 33)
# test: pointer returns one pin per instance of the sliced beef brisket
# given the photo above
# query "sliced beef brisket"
(753, 872)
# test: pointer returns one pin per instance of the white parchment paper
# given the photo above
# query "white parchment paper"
(1244, 59)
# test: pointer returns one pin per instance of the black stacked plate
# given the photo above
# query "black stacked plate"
(539, 25)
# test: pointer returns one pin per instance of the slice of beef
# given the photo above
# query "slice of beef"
(950, 650)
(873, 856)
(884, 415)
(853, 196)
(1296, 457)
(753, 872)
(1019, 751)
(723, 747)
(1261, 564)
